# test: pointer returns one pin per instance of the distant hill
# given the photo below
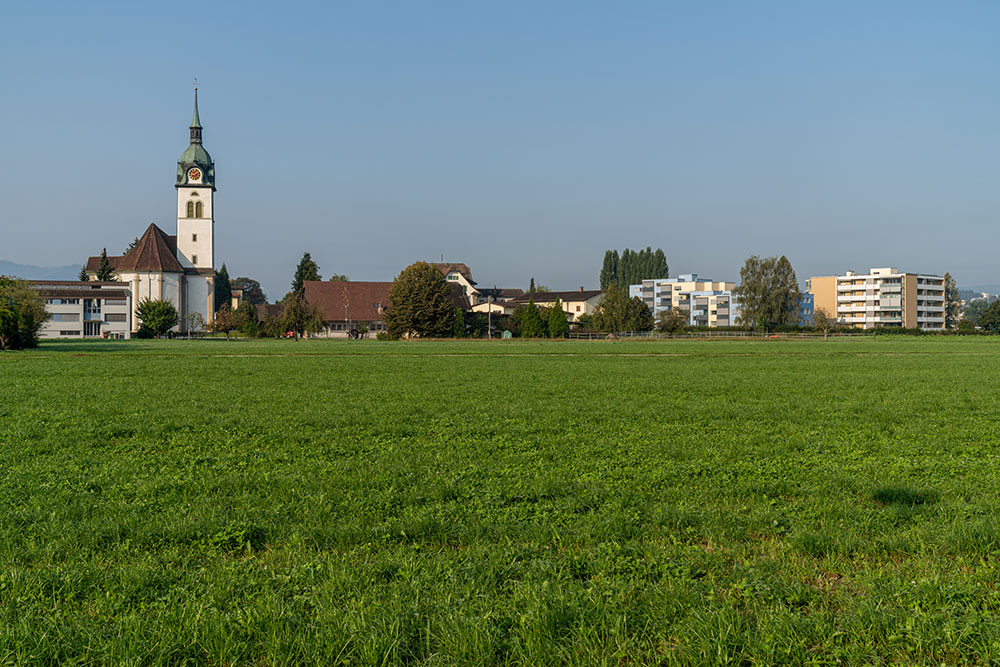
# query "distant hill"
(29, 272)
(989, 289)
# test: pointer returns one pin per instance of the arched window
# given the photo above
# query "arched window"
(190, 209)
(198, 209)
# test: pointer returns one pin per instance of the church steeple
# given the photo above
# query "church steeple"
(195, 166)
(196, 122)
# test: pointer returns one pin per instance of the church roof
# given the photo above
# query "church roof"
(155, 251)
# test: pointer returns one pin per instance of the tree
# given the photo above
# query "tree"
(84, 276)
(301, 318)
(671, 321)
(975, 309)
(306, 270)
(339, 277)
(612, 311)
(252, 292)
(990, 319)
(609, 270)
(223, 289)
(458, 327)
(226, 320)
(131, 245)
(558, 324)
(769, 293)
(22, 314)
(823, 321)
(965, 327)
(419, 303)
(951, 301)
(193, 322)
(632, 267)
(530, 321)
(157, 315)
(246, 316)
(531, 286)
(104, 271)
(639, 317)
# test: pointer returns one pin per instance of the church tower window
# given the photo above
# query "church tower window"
(199, 209)
(190, 209)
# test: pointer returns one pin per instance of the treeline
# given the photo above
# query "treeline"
(632, 267)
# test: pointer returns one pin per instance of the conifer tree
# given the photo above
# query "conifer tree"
(104, 271)
(223, 289)
(558, 324)
(83, 277)
(458, 327)
(531, 321)
(306, 270)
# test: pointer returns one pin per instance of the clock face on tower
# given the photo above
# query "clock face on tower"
(194, 174)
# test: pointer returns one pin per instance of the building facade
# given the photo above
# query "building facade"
(884, 297)
(85, 309)
(704, 302)
(179, 268)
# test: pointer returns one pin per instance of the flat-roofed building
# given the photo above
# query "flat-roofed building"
(708, 303)
(883, 297)
(86, 309)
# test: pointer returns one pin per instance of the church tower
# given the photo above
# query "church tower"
(195, 203)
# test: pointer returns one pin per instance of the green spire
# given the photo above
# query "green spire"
(196, 122)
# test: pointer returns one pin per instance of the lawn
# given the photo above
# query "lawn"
(675, 502)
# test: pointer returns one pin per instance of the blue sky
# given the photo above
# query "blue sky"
(522, 138)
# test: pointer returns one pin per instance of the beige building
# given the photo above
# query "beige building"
(85, 309)
(703, 302)
(882, 297)
(574, 304)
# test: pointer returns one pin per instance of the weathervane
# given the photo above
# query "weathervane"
(196, 83)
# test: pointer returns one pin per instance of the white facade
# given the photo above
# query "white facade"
(86, 309)
(195, 242)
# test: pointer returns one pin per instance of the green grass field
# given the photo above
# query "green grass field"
(274, 502)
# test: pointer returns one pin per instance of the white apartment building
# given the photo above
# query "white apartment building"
(884, 297)
(86, 309)
(704, 302)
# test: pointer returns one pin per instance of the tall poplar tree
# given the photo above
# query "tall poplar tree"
(223, 289)
(951, 302)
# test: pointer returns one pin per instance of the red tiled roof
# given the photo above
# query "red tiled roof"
(155, 251)
(362, 301)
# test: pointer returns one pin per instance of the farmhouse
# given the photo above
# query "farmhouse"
(575, 304)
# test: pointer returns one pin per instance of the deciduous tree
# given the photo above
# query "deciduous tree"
(769, 293)
(671, 321)
(157, 315)
(420, 303)
(22, 314)
(251, 290)
(989, 321)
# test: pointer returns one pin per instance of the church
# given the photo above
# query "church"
(178, 268)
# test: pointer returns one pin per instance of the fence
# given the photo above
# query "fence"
(715, 335)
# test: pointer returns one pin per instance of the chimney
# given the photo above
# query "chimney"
(581, 288)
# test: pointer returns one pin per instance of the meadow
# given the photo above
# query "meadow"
(607, 502)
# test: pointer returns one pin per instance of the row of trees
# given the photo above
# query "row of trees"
(632, 267)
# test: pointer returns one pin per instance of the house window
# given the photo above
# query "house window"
(190, 209)
(578, 309)
(194, 259)
(194, 237)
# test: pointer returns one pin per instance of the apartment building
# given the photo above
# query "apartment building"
(883, 297)
(705, 302)
(86, 309)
